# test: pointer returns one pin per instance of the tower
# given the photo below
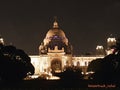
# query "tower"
(1, 40)
(111, 43)
(99, 50)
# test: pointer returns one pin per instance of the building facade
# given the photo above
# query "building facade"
(55, 53)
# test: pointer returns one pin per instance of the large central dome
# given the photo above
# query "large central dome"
(55, 33)
(55, 37)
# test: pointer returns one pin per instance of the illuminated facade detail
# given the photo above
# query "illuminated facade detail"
(42, 63)
(84, 61)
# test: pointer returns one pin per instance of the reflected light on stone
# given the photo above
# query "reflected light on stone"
(82, 64)
(54, 78)
(34, 76)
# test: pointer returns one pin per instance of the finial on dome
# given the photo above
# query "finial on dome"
(55, 24)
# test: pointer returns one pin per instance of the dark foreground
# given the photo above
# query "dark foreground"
(57, 85)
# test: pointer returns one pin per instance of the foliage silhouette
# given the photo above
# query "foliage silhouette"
(14, 64)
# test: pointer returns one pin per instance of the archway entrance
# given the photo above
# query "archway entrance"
(56, 66)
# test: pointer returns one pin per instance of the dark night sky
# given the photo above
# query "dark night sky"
(24, 23)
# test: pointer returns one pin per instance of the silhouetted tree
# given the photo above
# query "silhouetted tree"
(116, 58)
(104, 69)
(95, 65)
(14, 64)
(118, 44)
